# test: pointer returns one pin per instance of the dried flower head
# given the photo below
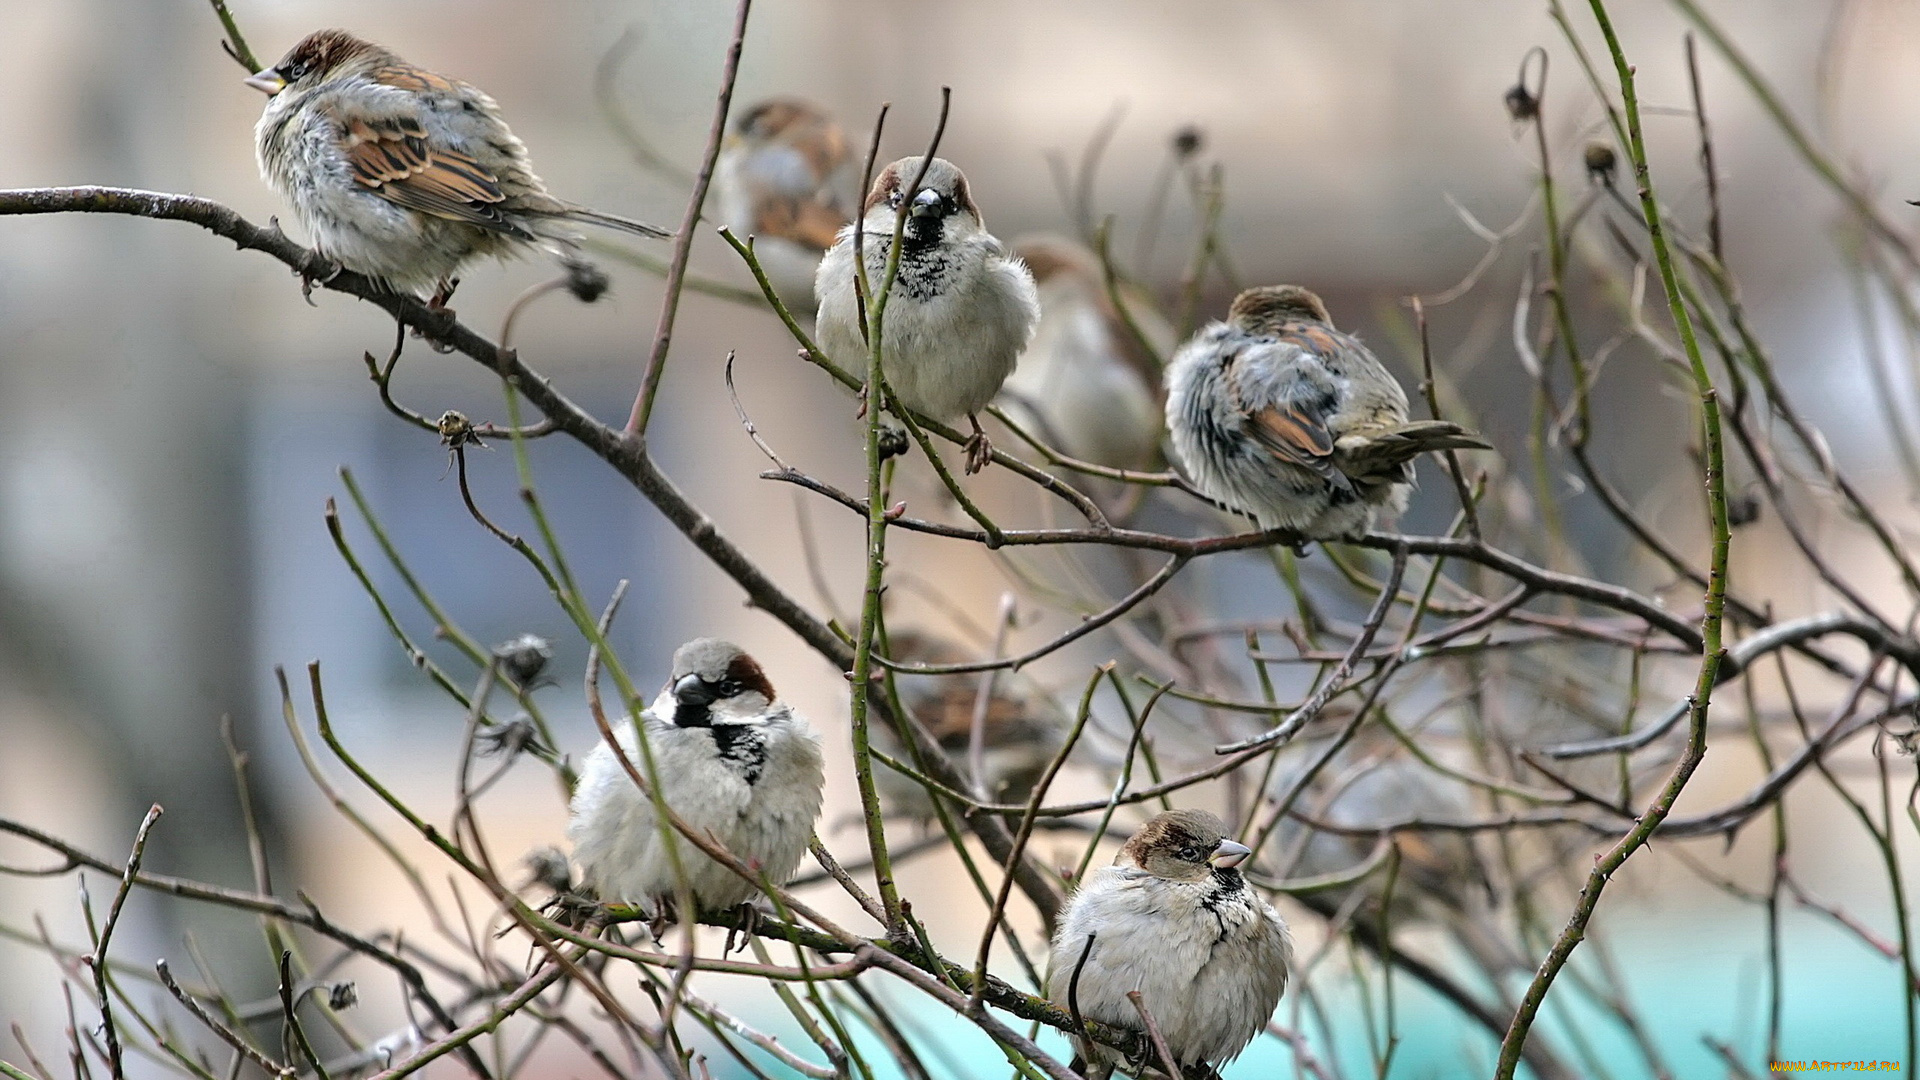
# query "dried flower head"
(548, 867)
(586, 281)
(1601, 162)
(1188, 141)
(456, 430)
(524, 658)
(342, 995)
(1521, 104)
(513, 737)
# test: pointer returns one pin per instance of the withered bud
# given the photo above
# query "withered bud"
(548, 867)
(1743, 509)
(456, 430)
(1601, 162)
(510, 738)
(1521, 104)
(586, 281)
(342, 995)
(1188, 141)
(524, 658)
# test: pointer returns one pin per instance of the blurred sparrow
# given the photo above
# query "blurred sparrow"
(782, 179)
(732, 761)
(401, 174)
(1279, 415)
(1087, 384)
(1174, 920)
(1019, 735)
(1366, 786)
(961, 309)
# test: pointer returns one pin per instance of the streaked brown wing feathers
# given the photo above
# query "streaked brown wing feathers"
(393, 158)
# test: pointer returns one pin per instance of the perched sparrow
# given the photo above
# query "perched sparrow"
(782, 178)
(401, 174)
(1277, 414)
(1174, 920)
(1368, 786)
(1086, 382)
(731, 760)
(961, 309)
(1020, 734)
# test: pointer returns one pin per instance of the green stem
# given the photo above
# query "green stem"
(1716, 592)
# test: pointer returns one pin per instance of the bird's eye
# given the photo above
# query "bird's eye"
(893, 200)
(292, 72)
(1189, 854)
(728, 688)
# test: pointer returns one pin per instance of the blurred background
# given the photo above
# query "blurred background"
(177, 416)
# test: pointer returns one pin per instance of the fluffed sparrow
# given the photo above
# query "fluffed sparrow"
(1174, 920)
(732, 760)
(1087, 383)
(399, 173)
(1279, 415)
(785, 177)
(961, 311)
(1020, 734)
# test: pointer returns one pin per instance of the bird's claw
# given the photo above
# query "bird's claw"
(749, 913)
(318, 270)
(979, 451)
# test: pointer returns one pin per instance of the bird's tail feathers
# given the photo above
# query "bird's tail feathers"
(1383, 449)
(605, 220)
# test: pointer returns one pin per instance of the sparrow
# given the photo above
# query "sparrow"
(1020, 734)
(1174, 920)
(401, 174)
(782, 179)
(1086, 382)
(1279, 415)
(732, 760)
(961, 311)
(1368, 786)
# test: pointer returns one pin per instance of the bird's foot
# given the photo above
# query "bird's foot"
(663, 919)
(443, 293)
(318, 270)
(979, 450)
(749, 914)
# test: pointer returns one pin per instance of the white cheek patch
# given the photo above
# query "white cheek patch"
(744, 708)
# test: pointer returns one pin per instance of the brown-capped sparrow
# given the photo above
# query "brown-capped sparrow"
(961, 310)
(401, 174)
(732, 760)
(785, 178)
(1086, 382)
(1174, 920)
(1019, 735)
(1279, 415)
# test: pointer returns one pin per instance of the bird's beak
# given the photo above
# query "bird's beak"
(268, 82)
(692, 690)
(927, 203)
(1229, 854)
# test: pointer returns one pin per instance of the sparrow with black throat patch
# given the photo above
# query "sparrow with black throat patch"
(401, 174)
(733, 761)
(961, 311)
(1173, 919)
(1279, 415)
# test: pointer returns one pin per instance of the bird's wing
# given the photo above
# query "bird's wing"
(1285, 395)
(800, 219)
(392, 155)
